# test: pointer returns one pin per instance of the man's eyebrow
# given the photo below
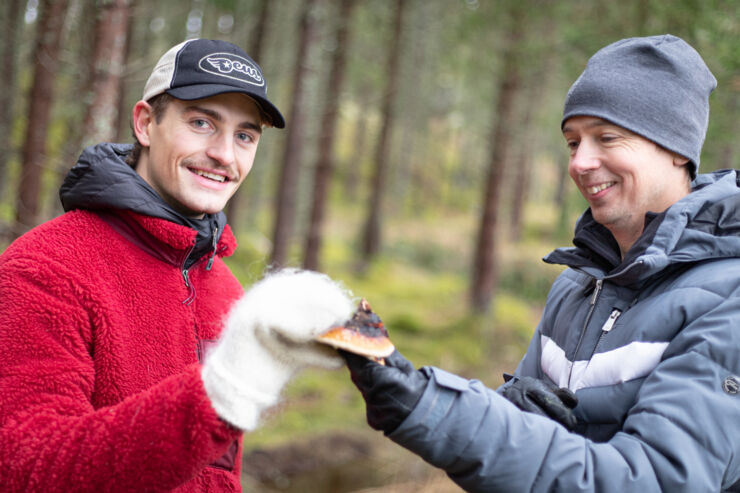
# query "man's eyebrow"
(249, 125)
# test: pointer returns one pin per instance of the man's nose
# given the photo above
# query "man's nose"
(586, 157)
(221, 149)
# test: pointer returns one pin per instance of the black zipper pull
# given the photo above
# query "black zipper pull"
(191, 288)
(214, 243)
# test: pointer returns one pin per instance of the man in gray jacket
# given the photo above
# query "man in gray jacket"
(633, 373)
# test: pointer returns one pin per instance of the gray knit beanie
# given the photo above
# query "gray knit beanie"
(657, 87)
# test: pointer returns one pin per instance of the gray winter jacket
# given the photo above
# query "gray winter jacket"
(651, 345)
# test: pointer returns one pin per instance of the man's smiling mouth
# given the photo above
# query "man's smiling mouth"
(210, 176)
(598, 188)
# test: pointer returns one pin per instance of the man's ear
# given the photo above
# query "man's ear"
(679, 160)
(143, 118)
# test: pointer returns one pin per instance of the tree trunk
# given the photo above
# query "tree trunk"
(236, 205)
(83, 68)
(727, 156)
(371, 239)
(11, 20)
(46, 51)
(109, 60)
(257, 37)
(485, 275)
(529, 138)
(561, 190)
(288, 185)
(325, 161)
(123, 123)
(353, 167)
(522, 172)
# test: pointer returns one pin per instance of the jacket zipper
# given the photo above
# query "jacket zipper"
(607, 327)
(214, 243)
(609, 324)
(186, 278)
(592, 302)
(191, 297)
(199, 354)
(191, 288)
(211, 258)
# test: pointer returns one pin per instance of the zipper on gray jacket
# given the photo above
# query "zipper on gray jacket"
(592, 302)
(605, 329)
(609, 324)
(595, 295)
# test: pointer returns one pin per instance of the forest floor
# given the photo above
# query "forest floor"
(358, 462)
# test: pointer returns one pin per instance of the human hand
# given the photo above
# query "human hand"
(543, 398)
(268, 338)
(391, 392)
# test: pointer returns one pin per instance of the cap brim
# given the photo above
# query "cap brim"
(201, 91)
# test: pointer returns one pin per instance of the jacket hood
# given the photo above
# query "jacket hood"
(101, 180)
(703, 225)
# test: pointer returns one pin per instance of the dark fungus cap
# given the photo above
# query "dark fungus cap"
(657, 87)
(201, 68)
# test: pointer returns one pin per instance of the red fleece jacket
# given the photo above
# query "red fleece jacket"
(100, 386)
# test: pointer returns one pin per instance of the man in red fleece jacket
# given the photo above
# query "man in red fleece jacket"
(109, 309)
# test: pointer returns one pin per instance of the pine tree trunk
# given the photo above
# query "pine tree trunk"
(11, 20)
(353, 168)
(371, 239)
(529, 139)
(236, 205)
(109, 59)
(46, 52)
(123, 125)
(729, 152)
(288, 185)
(485, 275)
(522, 172)
(83, 69)
(325, 161)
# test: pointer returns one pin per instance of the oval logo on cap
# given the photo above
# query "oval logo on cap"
(731, 385)
(232, 67)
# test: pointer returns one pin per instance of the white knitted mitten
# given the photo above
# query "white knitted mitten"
(268, 338)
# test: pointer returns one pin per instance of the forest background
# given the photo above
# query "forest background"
(422, 166)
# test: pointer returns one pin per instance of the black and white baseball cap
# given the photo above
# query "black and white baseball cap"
(200, 68)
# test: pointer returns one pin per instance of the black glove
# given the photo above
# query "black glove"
(391, 392)
(543, 398)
